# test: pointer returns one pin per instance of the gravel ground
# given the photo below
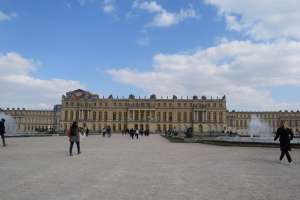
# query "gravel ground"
(149, 168)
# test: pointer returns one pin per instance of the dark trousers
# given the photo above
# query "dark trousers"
(71, 147)
(131, 135)
(3, 140)
(285, 152)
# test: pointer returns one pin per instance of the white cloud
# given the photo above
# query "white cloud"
(162, 17)
(18, 88)
(243, 70)
(261, 19)
(6, 17)
(109, 6)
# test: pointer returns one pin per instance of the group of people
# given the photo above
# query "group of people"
(135, 133)
(171, 132)
(106, 131)
(284, 134)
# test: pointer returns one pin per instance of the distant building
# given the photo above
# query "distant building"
(31, 121)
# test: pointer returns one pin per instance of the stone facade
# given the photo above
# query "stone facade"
(154, 114)
(31, 121)
(239, 121)
(205, 115)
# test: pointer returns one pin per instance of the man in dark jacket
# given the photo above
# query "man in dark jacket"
(2, 131)
(285, 135)
(131, 132)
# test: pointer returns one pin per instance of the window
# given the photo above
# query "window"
(184, 117)
(100, 116)
(142, 115)
(136, 115)
(164, 116)
(120, 116)
(125, 116)
(71, 115)
(94, 115)
(208, 116)
(105, 116)
(66, 115)
(85, 115)
(158, 116)
(214, 116)
(221, 117)
(170, 117)
(147, 115)
(114, 116)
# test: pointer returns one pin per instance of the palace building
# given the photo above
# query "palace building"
(204, 115)
(154, 114)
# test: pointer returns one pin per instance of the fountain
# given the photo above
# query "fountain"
(259, 134)
(10, 124)
(257, 128)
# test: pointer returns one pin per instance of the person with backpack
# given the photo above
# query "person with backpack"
(74, 137)
(2, 131)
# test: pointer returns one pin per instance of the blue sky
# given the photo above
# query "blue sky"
(143, 47)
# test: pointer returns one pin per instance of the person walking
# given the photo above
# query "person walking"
(2, 131)
(131, 132)
(108, 131)
(103, 131)
(285, 135)
(147, 132)
(87, 132)
(74, 138)
(137, 133)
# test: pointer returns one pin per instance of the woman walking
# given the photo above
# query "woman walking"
(285, 135)
(74, 137)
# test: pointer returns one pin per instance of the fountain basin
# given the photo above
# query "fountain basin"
(246, 141)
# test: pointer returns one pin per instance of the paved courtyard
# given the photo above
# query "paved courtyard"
(151, 168)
